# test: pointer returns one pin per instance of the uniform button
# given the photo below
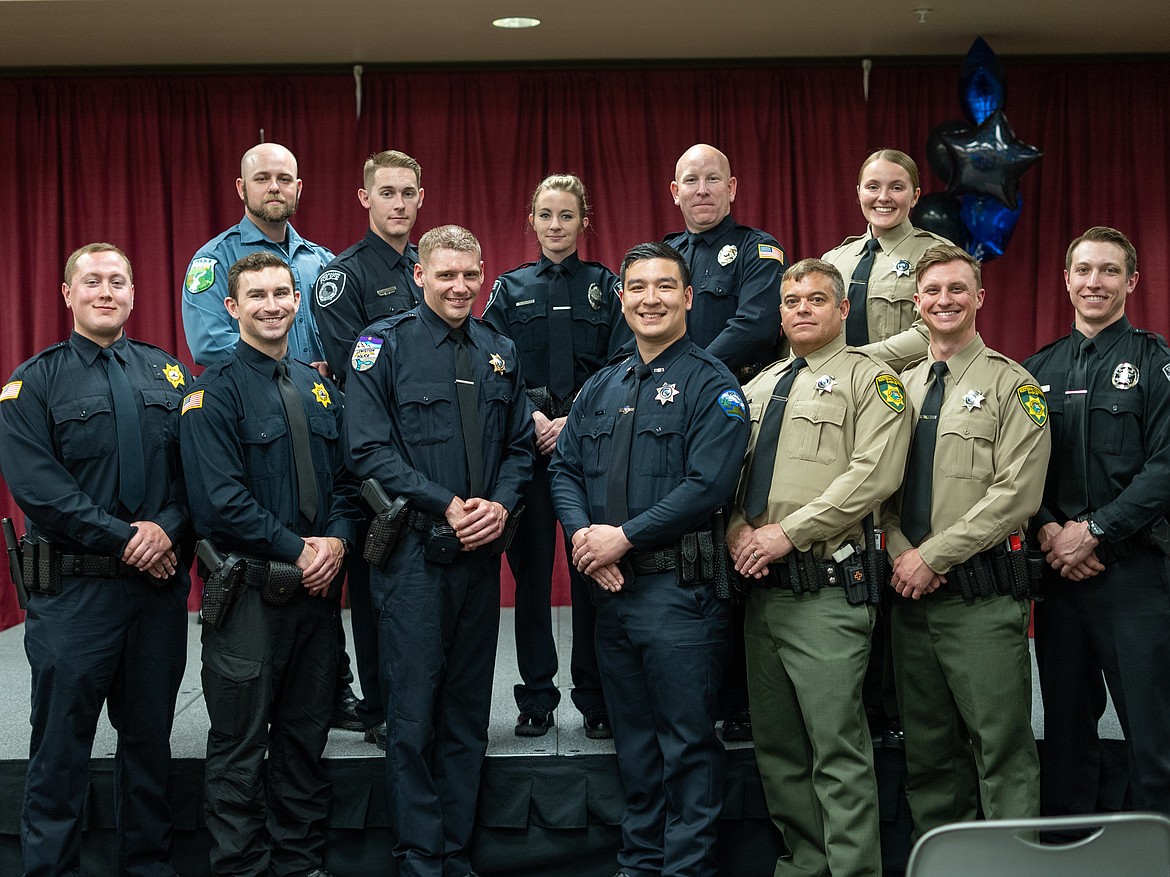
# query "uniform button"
(1114, 407)
(426, 398)
(263, 435)
(658, 429)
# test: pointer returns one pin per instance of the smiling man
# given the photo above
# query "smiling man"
(960, 631)
(266, 480)
(648, 456)
(436, 413)
(829, 439)
(1103, 527)
(89, 448)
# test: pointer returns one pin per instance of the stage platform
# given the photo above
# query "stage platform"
(548, 806)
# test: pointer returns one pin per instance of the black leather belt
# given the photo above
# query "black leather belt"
(645, 563)
(422, 521)
(97, 566)
(778, 577)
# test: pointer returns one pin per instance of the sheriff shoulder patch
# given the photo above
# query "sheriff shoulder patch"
(733, 405)
(1032, 399)
(191, 401)
(891, 391)
(200, 275)
(11, 390)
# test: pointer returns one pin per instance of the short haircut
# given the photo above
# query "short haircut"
(655, 250)
(389, 158)
(1103, 234)
(253, 262)
(448, 237)
(97, 247)
(802, 269)
(895, 156)
(570, 183)
(941, 254)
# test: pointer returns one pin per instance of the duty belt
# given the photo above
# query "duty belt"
(645, 563)
(98, 566)
(548, 404)
(421, 521)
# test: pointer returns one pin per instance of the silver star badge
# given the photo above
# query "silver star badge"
(666, 393)
(825, 384)
(902, 268)
(973, 399)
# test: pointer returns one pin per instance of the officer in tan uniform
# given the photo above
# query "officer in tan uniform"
(881, 292)
(797, 532)
(960, 628)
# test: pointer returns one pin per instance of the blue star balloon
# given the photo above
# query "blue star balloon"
(991, 225)
(981, 82)
(989, 161)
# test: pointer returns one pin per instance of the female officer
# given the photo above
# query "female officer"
(879, 265)
(564, 315)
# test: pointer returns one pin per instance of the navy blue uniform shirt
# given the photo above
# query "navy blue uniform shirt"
(59, 445)
(519, 308)
(689, 440)
(239, 463)
(1128, 425)
(367, 282)
(735, 272)
(403, 425)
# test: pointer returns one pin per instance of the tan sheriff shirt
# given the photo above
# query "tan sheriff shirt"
(842, 448)
(990, 460)
(896, 334)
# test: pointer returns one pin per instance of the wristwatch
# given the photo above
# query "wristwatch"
(1095, 528)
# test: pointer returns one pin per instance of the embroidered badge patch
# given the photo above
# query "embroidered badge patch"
(200, 275)
(727, 255)
(330, 286)
(365, 353)
(1166, 370)
(891, 391)
(322, 395)
(771, 251)
(733, 405)
(174, 374)
(666, 393)
(1032, 398)
(191, 401)
(1125, 376)
(497, 363)
(11, 390)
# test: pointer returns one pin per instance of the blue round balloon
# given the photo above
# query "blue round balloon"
(941, 214)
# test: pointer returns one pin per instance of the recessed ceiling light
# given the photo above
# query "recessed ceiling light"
(516, 21)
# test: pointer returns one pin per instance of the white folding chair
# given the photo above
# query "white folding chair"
(1118, 845)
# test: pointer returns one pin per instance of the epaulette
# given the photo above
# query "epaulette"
(1154, 337)
(50, 349)
(391, 321)
(161, 350)
(1047, 346)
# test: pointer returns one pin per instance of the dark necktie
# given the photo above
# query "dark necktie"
(763, 464)
(298, 431)
(917, 493)
(1072, 488)
(131, 463)
(560, 335)
(617, 510)
(856, 327)
(468, 412)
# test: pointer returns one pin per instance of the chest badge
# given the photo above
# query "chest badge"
(727, 255)
(322, 395)
(825, 384)
(1125, 376)
(902, 268)
(973, 399)
(666, 393)
(595, 296)
(497, 363)
(174, 374)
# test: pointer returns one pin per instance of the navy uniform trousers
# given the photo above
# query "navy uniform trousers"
(661, 648)
(123, 641)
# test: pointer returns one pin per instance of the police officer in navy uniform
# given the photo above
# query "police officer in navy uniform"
(372, 279)
(736, 273)
(436, 413)
(565, 316)
(266, 479)
(1103, 528)
(650, 454)
(89, 449)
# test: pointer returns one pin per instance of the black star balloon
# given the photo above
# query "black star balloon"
(988, 161)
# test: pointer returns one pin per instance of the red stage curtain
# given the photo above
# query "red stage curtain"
(148, 162)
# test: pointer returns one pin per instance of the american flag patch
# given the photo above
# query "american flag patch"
(191, 401)
(767, 251)
(11, 390)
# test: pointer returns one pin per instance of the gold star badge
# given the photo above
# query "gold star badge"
(322, 395)
(174, 374)
(497, 363)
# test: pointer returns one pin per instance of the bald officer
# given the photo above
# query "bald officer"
(960, 631)
(797, 531)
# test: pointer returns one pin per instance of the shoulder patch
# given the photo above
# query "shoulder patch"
(365, 353)
(1166, 370)
(200, 275)
(11, 391)
(733, 405)
(191, 401)
(771, 251)
(330, 286)
(1032, 399)
(891, 391)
